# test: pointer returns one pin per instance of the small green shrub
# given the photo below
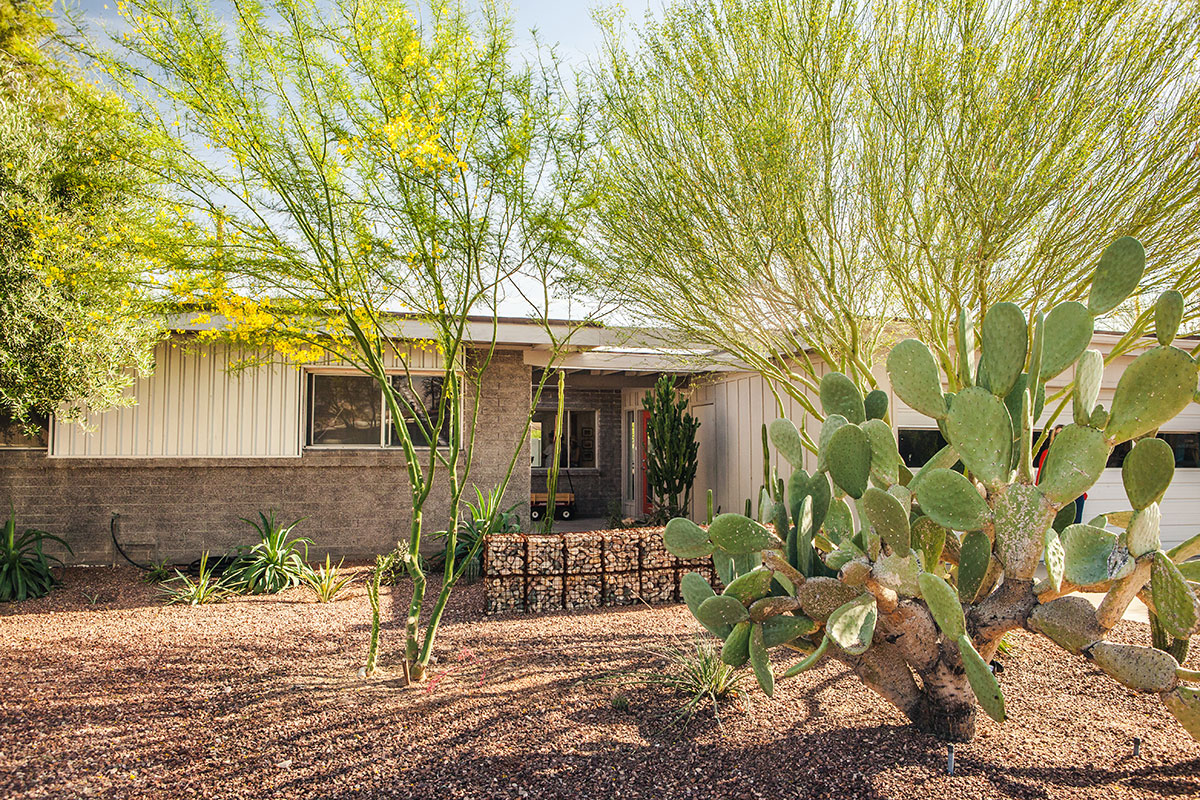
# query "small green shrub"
(482, 519)
(157, 572)
(206, 588)
(328, 580)
(275, 563)
(696, 673)
(25, 569)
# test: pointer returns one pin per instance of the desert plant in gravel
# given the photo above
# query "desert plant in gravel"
(328, 580)
(671, 449)
(695, 672)
(933, 568)
(208, 587)
(25, 569)
(275, 563)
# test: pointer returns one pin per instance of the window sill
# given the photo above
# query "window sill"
(566, 470)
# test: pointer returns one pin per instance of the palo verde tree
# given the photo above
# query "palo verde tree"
(76, 322)
(914, 589)
(783, 179)
(671, 449)
(367, 185)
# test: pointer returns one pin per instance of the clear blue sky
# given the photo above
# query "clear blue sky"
(567, 23)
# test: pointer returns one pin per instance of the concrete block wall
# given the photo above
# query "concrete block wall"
(594, 488)
(356, 502)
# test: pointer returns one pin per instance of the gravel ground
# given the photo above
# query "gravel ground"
(108, 693)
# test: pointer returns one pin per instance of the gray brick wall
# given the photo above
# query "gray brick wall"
(356, 502)
(594, 488)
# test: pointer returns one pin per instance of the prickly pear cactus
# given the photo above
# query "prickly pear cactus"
(912, 579)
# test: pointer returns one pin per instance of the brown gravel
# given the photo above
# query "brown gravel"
(110, 694)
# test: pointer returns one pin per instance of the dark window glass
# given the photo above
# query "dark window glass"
(345, 410)
(918, 446)
(14, 434)
(578, 439)
(1185, 445)
(421, 397)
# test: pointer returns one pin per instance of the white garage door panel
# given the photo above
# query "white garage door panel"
(1180, 507)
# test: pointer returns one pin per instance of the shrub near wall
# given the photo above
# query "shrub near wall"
(570, 571)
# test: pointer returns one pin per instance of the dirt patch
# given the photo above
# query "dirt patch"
(107, 693)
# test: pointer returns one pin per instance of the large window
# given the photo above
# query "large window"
(349, 411)
(578, 440)
(917, 445)
(16, 436)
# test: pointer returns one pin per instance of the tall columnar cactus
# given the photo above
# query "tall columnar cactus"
(671, 449)
(912, 579)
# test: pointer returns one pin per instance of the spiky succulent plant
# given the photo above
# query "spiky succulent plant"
(912, 579)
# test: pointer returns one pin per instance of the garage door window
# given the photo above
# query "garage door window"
(1185, 445)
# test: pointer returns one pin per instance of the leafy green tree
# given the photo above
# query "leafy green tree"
(782, 180)
(671, 450)
(75, 319)
(360, 177)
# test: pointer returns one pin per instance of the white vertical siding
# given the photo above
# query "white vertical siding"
(195, 406)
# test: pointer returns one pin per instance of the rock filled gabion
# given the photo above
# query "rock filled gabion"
(570, 571)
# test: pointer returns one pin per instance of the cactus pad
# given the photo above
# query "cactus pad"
(788, 442)
(840, 396)
(1143, 669)
(1068, 332)
(983, 682)
(1177, 607)
(930, 539)
(1086, 551)
(889, 518)
(875, 404)
(695, 591)
(944, 605)
(1089, 371)
(885, 457)
(1152, 390)
(1076, 459)
(781, 630)
(736, 649)
(915, 378)
(1184, 703)
(1004, 338)
(981, 431)
(950, 500)
(974, 559)
(849, 459)
(1142, 535)
(685, 539)
(839, 523)
(802, 485)
(753, 585)
(1168, 311)
(721, 610)
(1055, 558)
(828, 428)
(852, 625)
(760, 661)
(737, 535)
(820, 596)
(1070, 622)
(1147, 471)
(1022, 517)
(899, 573)
(1117, 275)
(964, 345)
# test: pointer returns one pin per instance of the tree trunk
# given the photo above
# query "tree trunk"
(951, 719)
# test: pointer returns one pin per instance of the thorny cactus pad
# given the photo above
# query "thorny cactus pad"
(915, 588)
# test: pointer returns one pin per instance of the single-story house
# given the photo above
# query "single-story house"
(204, 445)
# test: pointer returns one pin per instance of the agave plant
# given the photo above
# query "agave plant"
(206, 588)
(275, 563)
(328, 580)
(482, 519)
(25, 569)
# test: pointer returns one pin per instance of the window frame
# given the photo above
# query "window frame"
(48, 429)
(566, 443)
(386, 415)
